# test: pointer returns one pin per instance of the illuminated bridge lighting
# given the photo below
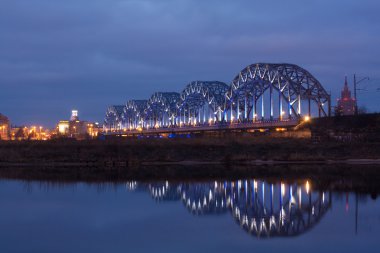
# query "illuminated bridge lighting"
(262, 95)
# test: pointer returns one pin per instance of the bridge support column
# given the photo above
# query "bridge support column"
(231, 111)
(204, 114)
(299, 104)
(280, 105)
(245, 107)
(271, 101)
(262, 106)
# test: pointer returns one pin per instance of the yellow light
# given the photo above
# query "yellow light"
(307, 118)
(307, 187)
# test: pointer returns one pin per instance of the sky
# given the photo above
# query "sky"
(57, 55)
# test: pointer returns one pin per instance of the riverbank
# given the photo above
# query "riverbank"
(222, 151)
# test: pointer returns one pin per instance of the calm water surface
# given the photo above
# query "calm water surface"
(218, 216)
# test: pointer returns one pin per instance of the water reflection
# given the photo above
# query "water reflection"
(260, 208)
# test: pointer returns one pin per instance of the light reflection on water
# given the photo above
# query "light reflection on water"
(165, 216)
(261, 209)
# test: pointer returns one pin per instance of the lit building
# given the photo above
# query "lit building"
(4, 127)
(75, 128)
(63, 127)
(346, 104)
(19, 133)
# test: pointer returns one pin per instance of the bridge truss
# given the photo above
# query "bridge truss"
(261, 92)
(161, 109)
(114, 117)
(134, 113)
(257, 88)
(202, 102)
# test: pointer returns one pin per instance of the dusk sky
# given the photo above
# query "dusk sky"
(58, 55)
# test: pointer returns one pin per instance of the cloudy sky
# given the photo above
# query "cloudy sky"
(87, 54)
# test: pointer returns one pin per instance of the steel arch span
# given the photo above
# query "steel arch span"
(134, 113)
(114, 117)
(259, 83)
(161, 109)
(202, 102)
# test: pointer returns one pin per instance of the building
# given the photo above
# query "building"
(78, 129)
(37, 133)
(346, 104)
(4, 127)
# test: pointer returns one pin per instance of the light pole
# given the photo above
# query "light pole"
(355, 89)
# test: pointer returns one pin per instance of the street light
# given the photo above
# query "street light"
(355, 89)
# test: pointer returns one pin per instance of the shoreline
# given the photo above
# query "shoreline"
(342, 177)
(194, 163)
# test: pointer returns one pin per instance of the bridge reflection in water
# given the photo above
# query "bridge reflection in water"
(261, 208)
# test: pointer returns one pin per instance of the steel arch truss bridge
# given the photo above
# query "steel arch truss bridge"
(260, 95)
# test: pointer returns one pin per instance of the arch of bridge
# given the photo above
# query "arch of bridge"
(293, 82)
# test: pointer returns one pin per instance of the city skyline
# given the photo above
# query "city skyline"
(89, 55)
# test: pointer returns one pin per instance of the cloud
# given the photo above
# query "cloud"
(80, 51)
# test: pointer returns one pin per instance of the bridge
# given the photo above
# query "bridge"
(260, 208)
(261, 96)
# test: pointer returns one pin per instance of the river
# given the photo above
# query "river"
(247, 215)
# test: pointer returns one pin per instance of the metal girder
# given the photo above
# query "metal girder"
(293, 82)
(162, 103)
(134, 112)
(198, 93)
(114, 117)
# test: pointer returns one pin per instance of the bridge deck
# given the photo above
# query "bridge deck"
(211, 128)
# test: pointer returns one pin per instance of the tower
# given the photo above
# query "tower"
(74, 115)
(346, 104)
